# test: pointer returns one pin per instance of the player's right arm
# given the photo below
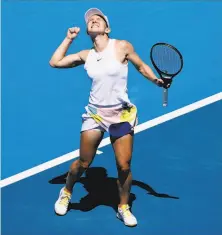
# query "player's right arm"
(61, 60)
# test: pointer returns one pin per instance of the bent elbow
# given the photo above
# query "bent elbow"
(141, 69)
(52, 64)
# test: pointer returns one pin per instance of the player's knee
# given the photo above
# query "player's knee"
(124, 166)
(84, 164)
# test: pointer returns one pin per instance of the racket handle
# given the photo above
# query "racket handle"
(165, 97)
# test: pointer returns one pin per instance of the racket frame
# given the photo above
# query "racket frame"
(167, 78)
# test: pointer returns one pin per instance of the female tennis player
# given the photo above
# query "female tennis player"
(109, 108)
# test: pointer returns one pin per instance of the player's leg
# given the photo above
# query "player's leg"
(123, 148)
(89, 143)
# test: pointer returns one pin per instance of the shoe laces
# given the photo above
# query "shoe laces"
(64, 200)
(125, 211)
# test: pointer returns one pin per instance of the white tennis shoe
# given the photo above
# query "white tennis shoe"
(126, 216)
(61, 205)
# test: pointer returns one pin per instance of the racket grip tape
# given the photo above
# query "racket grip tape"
(165, 97)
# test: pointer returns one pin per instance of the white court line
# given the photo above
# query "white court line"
(106, 141)
(99, 152)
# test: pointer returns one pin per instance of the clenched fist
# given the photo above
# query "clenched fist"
(72, 33)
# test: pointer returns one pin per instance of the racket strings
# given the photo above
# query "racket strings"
(166, 59)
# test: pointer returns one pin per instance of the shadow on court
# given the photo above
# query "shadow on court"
(103, 190)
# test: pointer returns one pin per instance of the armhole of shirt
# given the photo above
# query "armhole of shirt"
(114, 41)
(87, 59)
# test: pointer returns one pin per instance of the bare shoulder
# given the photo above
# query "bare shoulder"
(124, 45)
(83, 54)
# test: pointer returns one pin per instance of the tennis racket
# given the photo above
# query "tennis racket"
(168, 62)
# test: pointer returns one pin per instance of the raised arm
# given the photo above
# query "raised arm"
(61, 60)
(141, 66)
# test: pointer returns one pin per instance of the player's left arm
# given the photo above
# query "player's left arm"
(141, 66)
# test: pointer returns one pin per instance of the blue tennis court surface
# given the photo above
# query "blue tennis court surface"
(176, 187)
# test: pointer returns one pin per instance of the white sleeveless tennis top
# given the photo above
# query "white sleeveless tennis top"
(109, 77)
